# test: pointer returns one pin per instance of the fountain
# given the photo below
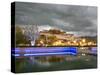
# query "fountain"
(31, 31)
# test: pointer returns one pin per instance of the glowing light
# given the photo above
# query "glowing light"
(90, 43)
(16, 55)
(83, 40)
(60, 53)
(57, 43)
(83, 54)
(41, 41)
(45, 51)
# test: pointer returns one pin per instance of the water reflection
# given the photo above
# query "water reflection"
(83, 60)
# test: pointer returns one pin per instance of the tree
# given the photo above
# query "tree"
(20, 37)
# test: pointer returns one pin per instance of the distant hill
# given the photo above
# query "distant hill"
(53, 31)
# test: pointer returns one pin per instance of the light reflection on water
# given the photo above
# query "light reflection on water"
(58, 62)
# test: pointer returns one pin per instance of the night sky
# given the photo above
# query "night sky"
(80, 20)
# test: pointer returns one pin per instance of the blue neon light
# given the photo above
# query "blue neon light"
(16, 55)
(40, 54)
(44, 54)
(44, 51)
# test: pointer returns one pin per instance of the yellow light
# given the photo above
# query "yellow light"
(57, 43)
(74, 41)
(83, 40)
(90, 43)
(41, 41)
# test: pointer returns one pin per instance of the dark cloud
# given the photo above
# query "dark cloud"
(69, 18)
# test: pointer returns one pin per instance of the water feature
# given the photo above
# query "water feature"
(31, 31)
(56, 62)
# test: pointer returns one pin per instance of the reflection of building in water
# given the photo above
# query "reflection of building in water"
(82, 52)
(49, 59)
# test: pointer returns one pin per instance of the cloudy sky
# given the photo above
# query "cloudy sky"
(80, 20)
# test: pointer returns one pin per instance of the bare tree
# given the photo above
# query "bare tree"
(31, 31)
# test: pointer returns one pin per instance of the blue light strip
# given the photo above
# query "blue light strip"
(45, 54)
(16, 55)
(37, 51)
(41, 54)
(54, 49)
(30, 51)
